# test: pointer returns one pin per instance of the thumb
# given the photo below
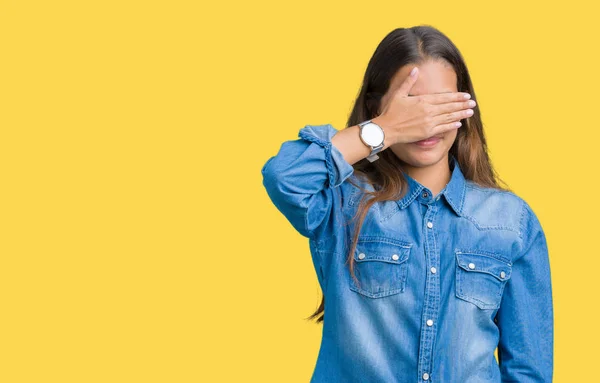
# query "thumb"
(409, 82)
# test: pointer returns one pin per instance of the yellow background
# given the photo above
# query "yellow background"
(137, 243)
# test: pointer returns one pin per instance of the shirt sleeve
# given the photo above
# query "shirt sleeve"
(525, 316)
(303, 176)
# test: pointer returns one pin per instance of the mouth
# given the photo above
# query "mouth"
(430, 141)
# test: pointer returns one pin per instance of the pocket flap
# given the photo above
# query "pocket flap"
(389, 250)
(484, 262)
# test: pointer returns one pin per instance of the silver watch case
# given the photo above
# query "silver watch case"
(373, 136)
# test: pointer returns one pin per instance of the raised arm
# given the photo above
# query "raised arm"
(303, 176)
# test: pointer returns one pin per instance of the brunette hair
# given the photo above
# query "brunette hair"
(406, 46)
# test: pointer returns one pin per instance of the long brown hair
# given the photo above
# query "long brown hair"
(404, 46)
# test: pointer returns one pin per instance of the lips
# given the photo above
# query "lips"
(429, 142)
(432, 138)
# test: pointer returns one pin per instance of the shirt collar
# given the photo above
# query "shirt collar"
(454, 191)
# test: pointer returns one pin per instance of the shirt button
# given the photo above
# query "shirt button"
(395, 257)
(425, 194)
(471, 266)
(425, 376)
(429, 225)
(502, 274)
(429, 322)
(433, 270)
(361, 255)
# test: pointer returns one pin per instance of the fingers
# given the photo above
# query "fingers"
(443, 98)
(450, 107)
(408, 82)
(450, 118)
(443, 128)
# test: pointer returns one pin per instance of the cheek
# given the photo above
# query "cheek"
(450, 136)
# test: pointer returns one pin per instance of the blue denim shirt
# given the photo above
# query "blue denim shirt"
(443, 280)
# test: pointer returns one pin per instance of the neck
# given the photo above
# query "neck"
(434, 177)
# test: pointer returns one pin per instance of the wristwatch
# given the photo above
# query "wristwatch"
(373, 136)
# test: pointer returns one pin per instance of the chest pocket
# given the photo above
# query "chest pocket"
(481, 277)
(380, 266)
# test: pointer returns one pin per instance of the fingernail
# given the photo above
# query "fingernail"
(413, 71)
(467, 96)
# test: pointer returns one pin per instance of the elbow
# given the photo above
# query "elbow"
(276, 184)
(270, 174)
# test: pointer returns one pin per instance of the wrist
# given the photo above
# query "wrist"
(387, 131)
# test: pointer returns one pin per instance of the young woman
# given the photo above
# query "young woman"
(427, 265)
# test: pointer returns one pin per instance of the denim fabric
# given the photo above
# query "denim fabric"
(442, 280)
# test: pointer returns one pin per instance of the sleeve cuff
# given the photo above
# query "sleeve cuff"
(338, 168)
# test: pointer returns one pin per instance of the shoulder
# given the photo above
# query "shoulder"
(507, 209)
(503, 209)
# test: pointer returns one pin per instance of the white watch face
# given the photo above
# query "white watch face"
(372, 134)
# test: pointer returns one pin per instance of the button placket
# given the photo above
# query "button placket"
(431, 296)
